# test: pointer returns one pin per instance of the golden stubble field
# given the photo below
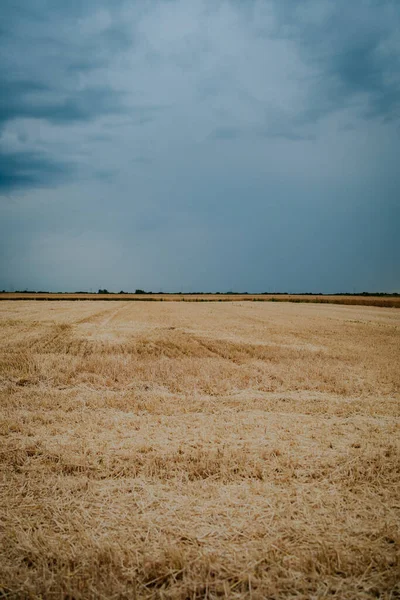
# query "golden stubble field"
(190, 450)
(370, 300)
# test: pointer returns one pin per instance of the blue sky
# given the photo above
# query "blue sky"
(200, 145)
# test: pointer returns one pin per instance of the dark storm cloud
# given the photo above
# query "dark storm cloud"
(354, 50)
(30, 169)
(200, 144)
(40, 70)
(24, 99)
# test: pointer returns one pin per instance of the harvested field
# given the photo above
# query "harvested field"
(189, 450)
(383, 300)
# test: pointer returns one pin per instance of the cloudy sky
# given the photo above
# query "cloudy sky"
(200, 145)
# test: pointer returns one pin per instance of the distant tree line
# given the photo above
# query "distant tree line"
(230, 293)
(121, 292)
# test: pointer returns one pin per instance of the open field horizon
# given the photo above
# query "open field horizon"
(187, 450)
(381, 300)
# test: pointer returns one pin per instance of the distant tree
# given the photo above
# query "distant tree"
(140, 292)
(103, 291)
(122, 292)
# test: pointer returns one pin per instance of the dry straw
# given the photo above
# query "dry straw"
(181, 450)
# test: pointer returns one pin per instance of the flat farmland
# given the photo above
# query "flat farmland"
(388, 301)
(199, 450)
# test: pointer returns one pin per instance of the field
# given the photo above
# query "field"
(199, 450)
(388, 301)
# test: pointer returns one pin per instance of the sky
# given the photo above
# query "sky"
(200, 145)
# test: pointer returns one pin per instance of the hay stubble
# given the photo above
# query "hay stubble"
(180, 450)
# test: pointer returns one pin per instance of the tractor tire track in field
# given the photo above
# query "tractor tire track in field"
(113, 314)
(102, 317)
(59, 336)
